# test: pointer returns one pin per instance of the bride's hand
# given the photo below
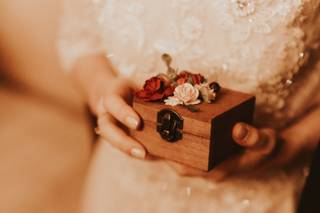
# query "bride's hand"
(264, 148)
(258, 144)
(109, 98)
(116, 116)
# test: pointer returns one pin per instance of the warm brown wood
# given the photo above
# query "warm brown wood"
(191, 150)
(207, 134)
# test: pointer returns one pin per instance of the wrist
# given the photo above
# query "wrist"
(91, 71)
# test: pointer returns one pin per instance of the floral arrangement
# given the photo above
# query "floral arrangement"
(179, 88)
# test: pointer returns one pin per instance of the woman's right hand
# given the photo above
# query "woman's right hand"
(116, 116)
(109, 98)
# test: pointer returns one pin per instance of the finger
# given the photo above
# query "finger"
(118, 138)
(268, 141)
(250, 159)
(184, 170)
(285, 153)
(245, 135)
(100, 108)
(253, 138)
(237, 164)
(124, 113)
(152, 158)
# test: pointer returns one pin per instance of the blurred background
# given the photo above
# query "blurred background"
(44, 158)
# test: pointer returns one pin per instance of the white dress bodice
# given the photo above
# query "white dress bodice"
(264, 47)
(255, 46)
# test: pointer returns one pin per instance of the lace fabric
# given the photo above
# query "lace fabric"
(253, 46)
(79, 32)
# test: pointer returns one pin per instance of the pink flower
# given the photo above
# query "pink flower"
(184, 94)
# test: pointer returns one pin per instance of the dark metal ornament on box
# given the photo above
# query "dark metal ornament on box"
(200, 139)
(170, 125)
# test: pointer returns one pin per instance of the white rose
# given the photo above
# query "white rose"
(187, 94)
(173, 101)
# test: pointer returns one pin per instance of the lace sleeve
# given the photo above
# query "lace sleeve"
(79, 33)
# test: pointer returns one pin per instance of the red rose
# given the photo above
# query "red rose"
(154, 89)
(186, 76)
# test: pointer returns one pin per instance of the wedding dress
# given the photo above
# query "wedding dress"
(265, 47)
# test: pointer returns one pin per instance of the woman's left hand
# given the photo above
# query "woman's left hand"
(263, 148)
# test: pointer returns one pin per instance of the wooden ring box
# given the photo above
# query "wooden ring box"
(198, 139)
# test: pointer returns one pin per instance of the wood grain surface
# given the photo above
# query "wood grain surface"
(206, 139)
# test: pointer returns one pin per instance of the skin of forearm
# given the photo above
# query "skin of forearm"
(88, 70)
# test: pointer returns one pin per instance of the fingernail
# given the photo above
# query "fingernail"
(132, 122)
(242, 132)
(138, 153)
